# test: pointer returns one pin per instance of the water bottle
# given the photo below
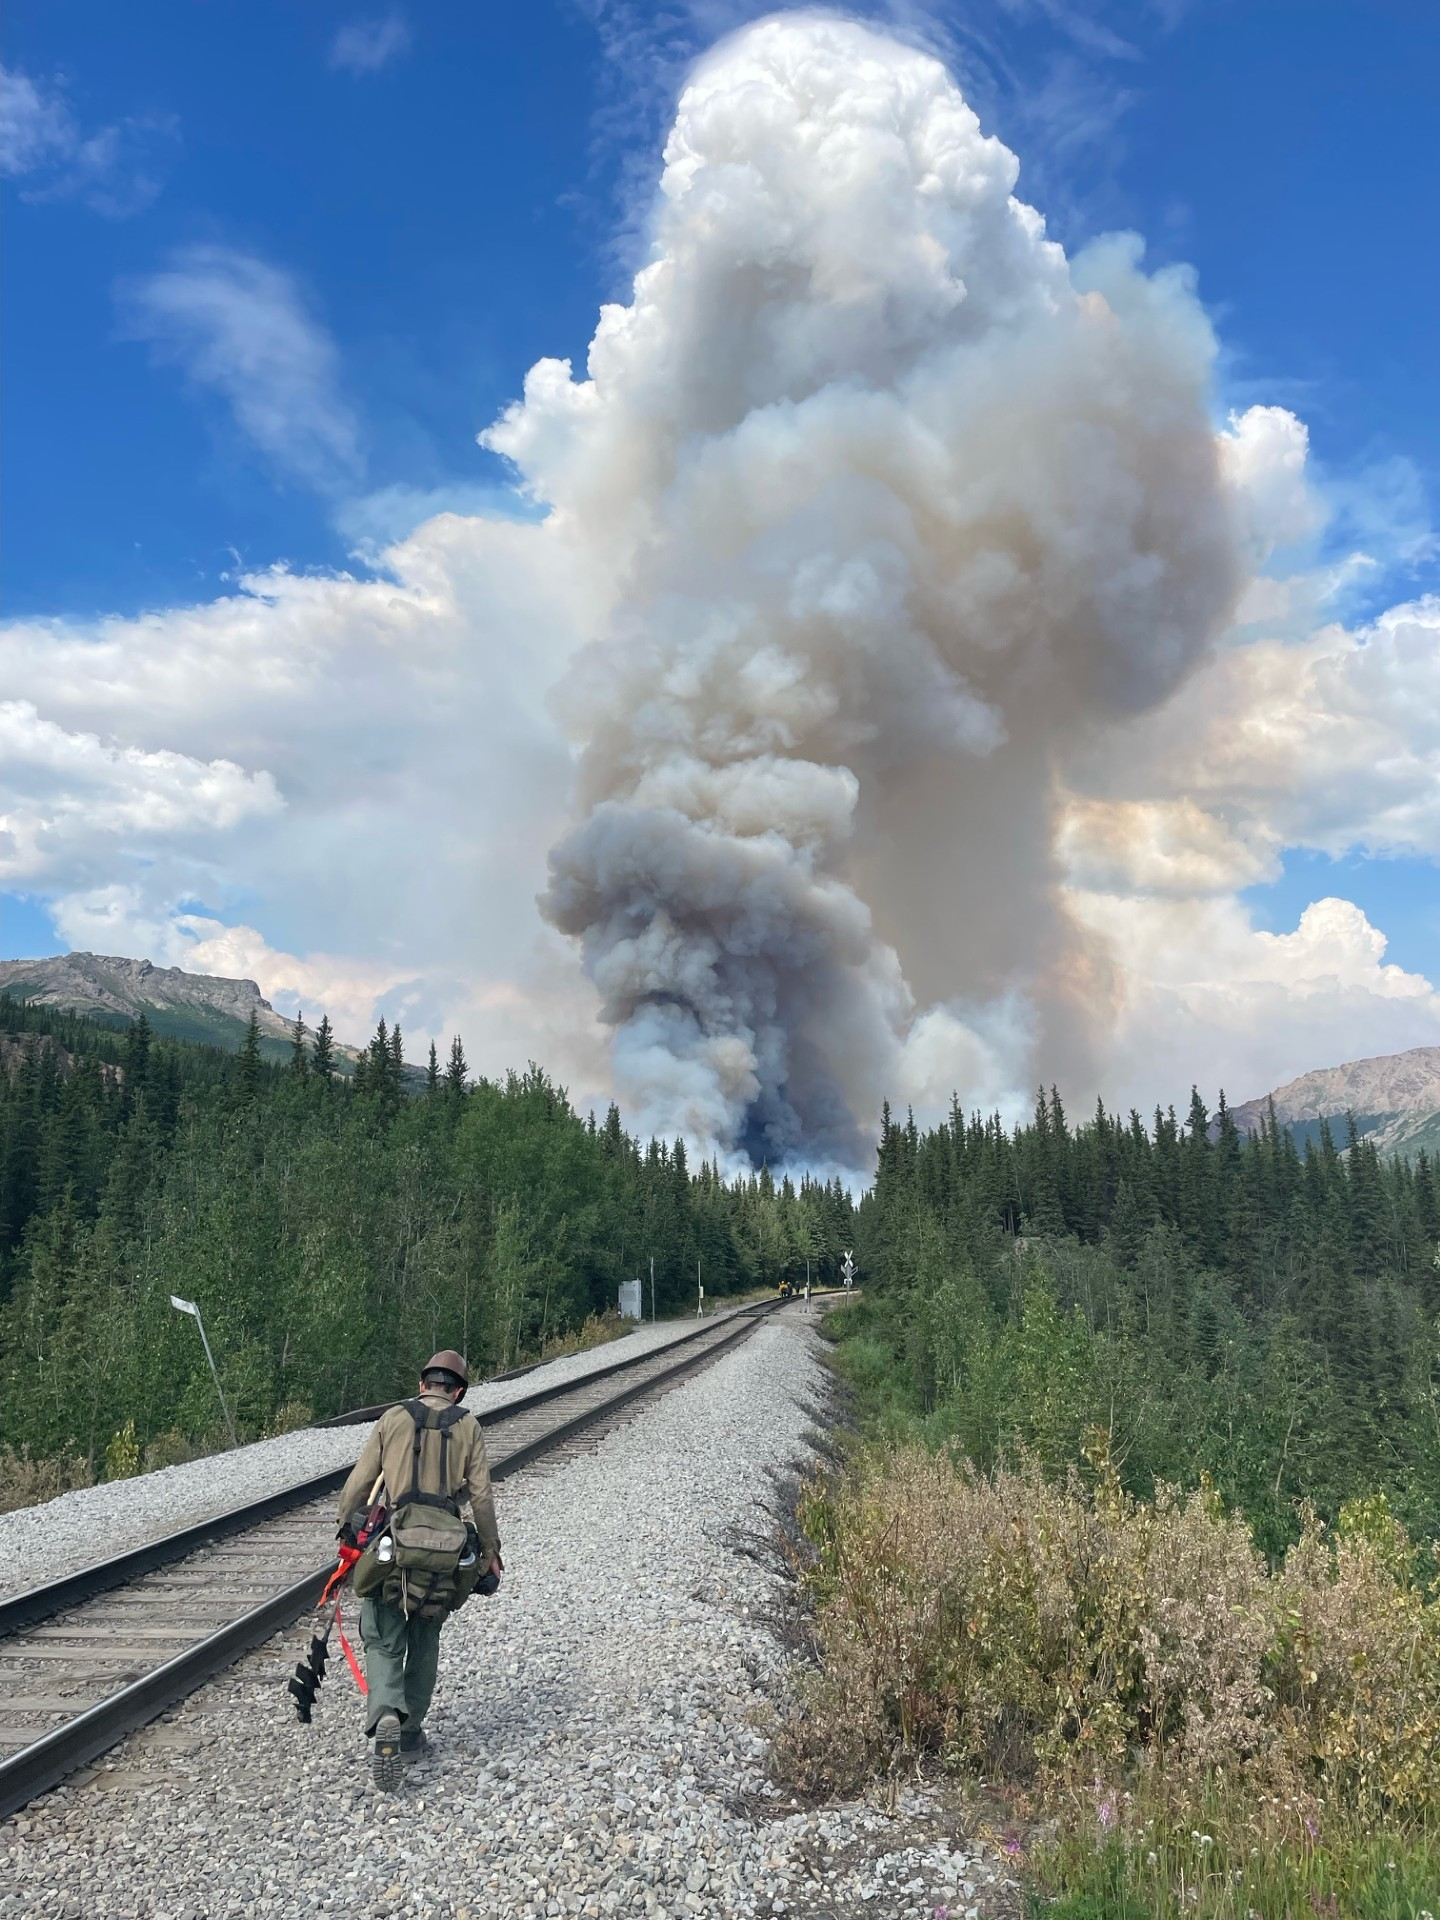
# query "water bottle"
(468, 1557)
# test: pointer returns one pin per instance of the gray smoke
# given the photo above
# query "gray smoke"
(891, 508)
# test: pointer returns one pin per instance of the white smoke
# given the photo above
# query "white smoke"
(898, 506)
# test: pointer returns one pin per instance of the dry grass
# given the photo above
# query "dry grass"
(1124, 1666)
(594, 1331)
(25, 1482)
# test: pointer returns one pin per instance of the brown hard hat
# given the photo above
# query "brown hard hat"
(451, 1362)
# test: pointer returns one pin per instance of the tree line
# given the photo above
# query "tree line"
(1222, 1306)
(334, 1230)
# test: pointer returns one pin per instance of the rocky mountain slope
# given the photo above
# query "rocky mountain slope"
(186, 1006)
(1395, 1099)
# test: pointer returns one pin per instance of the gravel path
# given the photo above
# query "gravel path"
(596, 1745)
(75, 1529)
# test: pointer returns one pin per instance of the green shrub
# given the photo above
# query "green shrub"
(122, 1456)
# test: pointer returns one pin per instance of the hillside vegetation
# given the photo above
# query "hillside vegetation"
(1143, 1527)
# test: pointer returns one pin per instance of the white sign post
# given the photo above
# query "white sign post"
(847, 1270)
(189, 1306)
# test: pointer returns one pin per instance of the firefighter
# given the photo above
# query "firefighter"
(438, 1542)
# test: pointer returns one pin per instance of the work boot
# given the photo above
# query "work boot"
(414, 1744)
(388, 1765)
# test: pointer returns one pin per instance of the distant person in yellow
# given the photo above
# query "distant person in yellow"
(436, 1541)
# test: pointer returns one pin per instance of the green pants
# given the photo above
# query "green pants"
(400, 1660)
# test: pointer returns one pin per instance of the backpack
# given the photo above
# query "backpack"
(428, 1536)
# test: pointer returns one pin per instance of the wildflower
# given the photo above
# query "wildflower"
(1150, 1859)
(1105, 1813)
(942, 1913)
(1010, 1843)
(1312, 1828)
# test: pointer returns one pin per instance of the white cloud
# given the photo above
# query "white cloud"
(69, 800)
(1264, 453)
(113, 169)
(404, 722)
(364, 46)
(241, 328)
(1330, 741)
(36, 125)
(1202, 996)
(375, 521)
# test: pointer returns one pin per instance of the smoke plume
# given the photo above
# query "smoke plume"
(898, 509)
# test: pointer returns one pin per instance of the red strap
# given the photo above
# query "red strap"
(348, 1557)
(349, 1653)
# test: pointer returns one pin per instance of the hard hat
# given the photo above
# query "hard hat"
(451, 1362)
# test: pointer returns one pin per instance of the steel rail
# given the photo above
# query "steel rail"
(72, 1589)
(48, 1760)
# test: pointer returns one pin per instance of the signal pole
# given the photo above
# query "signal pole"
(189, 1306)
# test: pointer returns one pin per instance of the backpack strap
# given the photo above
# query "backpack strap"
(427, 1420)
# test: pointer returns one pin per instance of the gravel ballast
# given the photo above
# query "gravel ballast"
(597, 1748)
(76, 1529)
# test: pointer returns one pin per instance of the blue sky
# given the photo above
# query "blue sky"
(442, 194)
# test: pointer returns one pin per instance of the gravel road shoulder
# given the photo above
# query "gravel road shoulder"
(597, 1747)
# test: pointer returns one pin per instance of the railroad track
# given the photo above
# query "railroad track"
(90, 1657)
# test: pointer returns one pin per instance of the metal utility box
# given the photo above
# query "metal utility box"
(630, 1299)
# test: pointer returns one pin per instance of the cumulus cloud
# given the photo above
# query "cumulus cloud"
(907, 665)
(365, 46)
(1330, 741)
(112, 169)
(1264, 452)
(241, 328)
(68, 800)
(1205, 996)
(400, 726)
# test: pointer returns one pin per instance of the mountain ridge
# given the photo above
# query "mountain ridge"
(1394, 1098)
(211, 1009)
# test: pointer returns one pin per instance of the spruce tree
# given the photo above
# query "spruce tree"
(248, 1079)
(432, 1074)
(456, 1082)
(322, 1054)
(299, 1057)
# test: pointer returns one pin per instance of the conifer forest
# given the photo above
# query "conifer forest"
(1224, 1307)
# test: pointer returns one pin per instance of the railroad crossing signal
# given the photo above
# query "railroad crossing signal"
(847, 1269)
